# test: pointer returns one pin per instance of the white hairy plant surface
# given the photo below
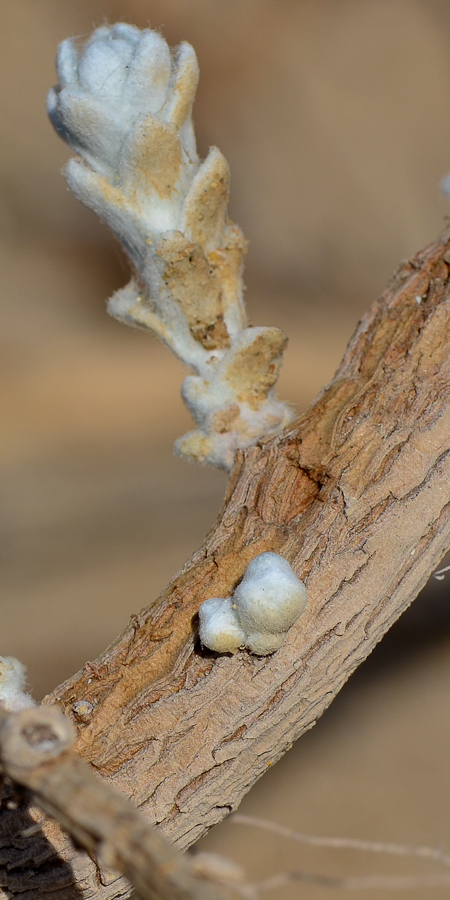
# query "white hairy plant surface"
(13, 696)
(264, 605)
(123, 104)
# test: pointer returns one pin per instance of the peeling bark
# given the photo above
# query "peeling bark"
(356, 496)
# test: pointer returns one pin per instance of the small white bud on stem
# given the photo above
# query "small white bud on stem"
(264, 605)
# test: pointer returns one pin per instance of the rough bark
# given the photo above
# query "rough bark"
(356, 495)
(36, 753)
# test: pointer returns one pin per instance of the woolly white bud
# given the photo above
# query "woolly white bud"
(263, 643)
(265, 604)
(270, 597)
(123, 104)
(12, 683)
(219, 628)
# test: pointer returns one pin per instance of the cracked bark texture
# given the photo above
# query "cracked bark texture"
(356, 495)
(36, 753)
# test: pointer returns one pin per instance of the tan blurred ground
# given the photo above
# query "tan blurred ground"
(335, 117)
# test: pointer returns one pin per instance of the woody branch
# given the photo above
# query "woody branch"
(355, 495)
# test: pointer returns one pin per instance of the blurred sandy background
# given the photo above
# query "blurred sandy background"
(335, 118)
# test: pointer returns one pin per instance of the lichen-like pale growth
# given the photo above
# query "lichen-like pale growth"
(12, 684)
(83, 710)
(219, 626)
(124, 106)
(264, 605)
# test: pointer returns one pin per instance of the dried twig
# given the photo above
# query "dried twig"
(349, 882)
(337, 843)
(36, 753)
